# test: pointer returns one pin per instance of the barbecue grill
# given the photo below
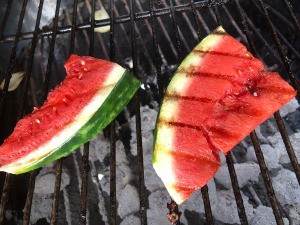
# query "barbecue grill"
(110, 180)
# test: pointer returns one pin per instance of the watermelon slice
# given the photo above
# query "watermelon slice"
(217, 96)
(91, 96)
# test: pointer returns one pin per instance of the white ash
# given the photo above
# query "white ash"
(271, 155)
(292, 106)
(264, 215)
(132, 220)
(128, 201)
(252, 174)
(43, 193)
(287, 181)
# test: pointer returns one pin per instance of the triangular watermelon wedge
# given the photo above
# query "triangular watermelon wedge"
(91, 96)
(217, 96)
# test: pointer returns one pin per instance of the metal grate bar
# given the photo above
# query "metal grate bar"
(288, 145)
(121, 19)
(279, 120)
(176, 30)
(85, 156)
(196, 19)
(142, 188)
(256, 145)
(158, 61)
(54, 210)
(113, 201)
(73, 27)
(113, 183)
(207, 206)
(4, 196)
(5, 18)
(266, 178)
(12, 57)
(138, 34)
(204, 189)
(285, 60)
(7, 182)
(28, 203)
(292, 15)
(229, 161)
(236, 190)
(31, 183)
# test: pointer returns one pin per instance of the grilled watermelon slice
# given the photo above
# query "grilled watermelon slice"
(91, 96)
(217, 96)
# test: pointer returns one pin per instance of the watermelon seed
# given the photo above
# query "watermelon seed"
(38, 121)
(64, 100)
(255, 94)
(82, 62)
(85, 69)
(80, 75)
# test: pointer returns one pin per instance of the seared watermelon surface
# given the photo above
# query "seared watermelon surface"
(217, 96)
(91, 96)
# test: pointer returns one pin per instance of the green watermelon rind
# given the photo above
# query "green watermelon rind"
(115, 102)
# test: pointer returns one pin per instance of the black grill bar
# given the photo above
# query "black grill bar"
(176, 30)
(7, 182)
(140, 163)
(196, 19)
(158, 61)
(73, 27)
(236, 189)
(266, 178)
(288, 145)
(229, 158)
(285, 60)
(5, 18)
(4, 196)
(178, 44)
(113, 183)
(54, 209)
(85, 156)
(31, 183)
(292, 15)
(28, 203)
(207, 206)
(279, 121)
(58, 169)
(121, 19)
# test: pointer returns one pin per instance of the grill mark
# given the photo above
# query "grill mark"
(274, 89)
(188, 98)
(222, 54)
(178, 124)
(205, 131)
(192, 157)
(189, 73)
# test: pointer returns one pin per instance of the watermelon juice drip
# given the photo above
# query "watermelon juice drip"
(216, 97)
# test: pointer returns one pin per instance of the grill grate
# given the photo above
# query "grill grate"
(173, 28)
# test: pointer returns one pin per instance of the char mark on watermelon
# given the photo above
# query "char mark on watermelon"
(217, 96)
(91, 96)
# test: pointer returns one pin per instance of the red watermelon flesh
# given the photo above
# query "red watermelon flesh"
(88, 83)
(217, 96)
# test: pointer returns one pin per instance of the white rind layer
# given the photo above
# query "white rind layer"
(163, 159)
(68, 132)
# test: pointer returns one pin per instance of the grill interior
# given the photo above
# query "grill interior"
(150, 38)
